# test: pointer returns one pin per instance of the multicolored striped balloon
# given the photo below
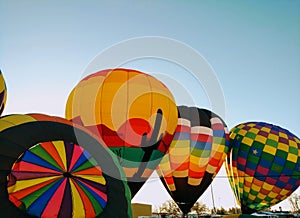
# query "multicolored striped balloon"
(134, 113)
(263, 166)
(58, 173)
(195, 156)
(3, 93)
(51, 167)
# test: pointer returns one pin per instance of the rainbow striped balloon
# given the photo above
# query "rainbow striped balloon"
(195, 156)
(263, 165)
(51, 167)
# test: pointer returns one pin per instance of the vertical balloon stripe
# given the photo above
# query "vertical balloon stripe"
(34, 159)
(66, 208)
(50, 148)
(20, 193)
(30, 167)
(37, 207)
(81, 160)
(231, 175)
(25, 175)
(30, 199)
(2, 105)
(39, 151)
(78, 208)
(22, 184)
(97, 205)
(93, 178)
(77, 152)
(90, 171)
(59, 145)
(86, 200)
(99, 187)
(52, 207)
(101, 197)
(3, 93)
(85, 165)
(69, 147)
(15, 201)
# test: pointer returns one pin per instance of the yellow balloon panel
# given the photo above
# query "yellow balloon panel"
(112, 97)
(3, 93)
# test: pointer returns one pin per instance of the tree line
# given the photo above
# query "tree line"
(171, 208)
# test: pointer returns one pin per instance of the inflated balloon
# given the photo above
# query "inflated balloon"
(195, 156)
(53, 168)
(263, 166)
(3, 93)
(134, 113)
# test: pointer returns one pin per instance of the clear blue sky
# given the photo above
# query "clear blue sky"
(253, 47)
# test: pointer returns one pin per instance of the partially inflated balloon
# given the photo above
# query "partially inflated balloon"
(195, 156)
(263, 165)
(3, 93)
(133, 112)
(53, 168)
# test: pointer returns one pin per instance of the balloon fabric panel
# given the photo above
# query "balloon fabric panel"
(3, 93)
(55, 165)
(88, 190)
(264, 164)
(134, 113)
(196, 154)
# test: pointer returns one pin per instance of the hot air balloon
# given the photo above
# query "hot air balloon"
(195, 156)
(134, 113)
(3, 93)
(53, 168)
(263, 165)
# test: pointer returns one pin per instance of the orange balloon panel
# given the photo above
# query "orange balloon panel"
(112, 97)
(134, 113)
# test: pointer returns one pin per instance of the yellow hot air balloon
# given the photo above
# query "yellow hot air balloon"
(3, 93)
(133, 112)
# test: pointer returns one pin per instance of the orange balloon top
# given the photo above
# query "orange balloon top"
(113, 97)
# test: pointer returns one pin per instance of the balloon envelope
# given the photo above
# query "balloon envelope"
(51, 177)
(195, 156)
(263, 165)
(134, 113)
(3, 93)
(53, 168)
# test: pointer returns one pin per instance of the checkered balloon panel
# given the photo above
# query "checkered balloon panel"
(263, 166)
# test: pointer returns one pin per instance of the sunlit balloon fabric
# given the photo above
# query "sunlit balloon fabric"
(58, 179)
(3, 93)
(264, 165)
(51, 167)
(196, 154)
(133, 112)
